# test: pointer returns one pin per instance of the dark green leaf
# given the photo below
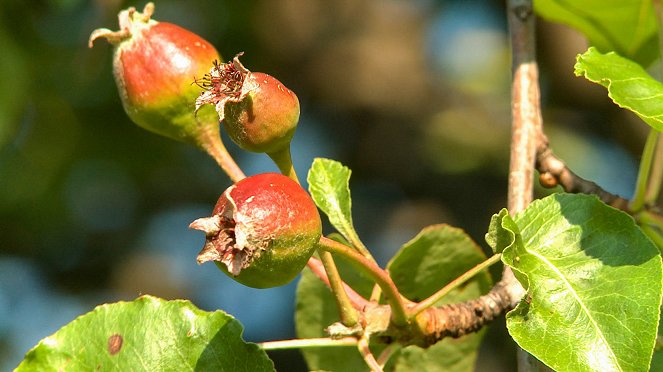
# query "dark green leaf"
(435, 257)
(316, 309)
(594, 286)
(628, 84)
(329, 185)
(148, 334)
(626, 27)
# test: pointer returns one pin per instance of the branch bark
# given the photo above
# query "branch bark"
(526, 127)
(553, 171)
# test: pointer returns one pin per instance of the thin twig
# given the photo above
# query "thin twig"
(397, 302)
(358, 301)
(644, 172)
(437, 296)
(387, 352)
(656, 176)
(348, 314)
(368, 356)
(553, 171)
(305, 343)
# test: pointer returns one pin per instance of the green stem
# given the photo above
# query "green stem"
(210, 142)
(283, 160)
(388, 351)
(358, 245)
(654, 235)
(370, 268)
(649, 218)
(349, 316)
(369, 358)
(376, 293)
(638, 200)
(656, 174)
(308, 343)
(437, 296)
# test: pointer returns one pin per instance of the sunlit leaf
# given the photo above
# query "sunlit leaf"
(148, 334)
(316, 310)
(594, 286)
(626, 27)
(329, 183)
(628, 84)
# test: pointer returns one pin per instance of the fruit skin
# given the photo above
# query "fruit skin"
(154, 64)
(259, 113)
(262, 231)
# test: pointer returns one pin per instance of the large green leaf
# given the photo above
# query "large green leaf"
(626, 27)
(329, 185)
(425, 264)
(594, 286)
(148, 334)
(657, 359)
(628, 84)
(435, 257)
(315, 310)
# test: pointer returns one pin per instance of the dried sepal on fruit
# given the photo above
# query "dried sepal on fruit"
(262, 231)
(259, 113)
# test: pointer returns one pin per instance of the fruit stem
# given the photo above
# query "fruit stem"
(318, 269)
(656, 174)
(380, 276)
(308, 342)
(212, 144)
(653, 234)
(283, 160)
(641, 186)
(368, 356)
(349, 316)
(648, 218)
(437, 296)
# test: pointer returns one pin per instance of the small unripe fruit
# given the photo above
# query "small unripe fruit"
(154, 64)
(259, 113)
(262, 231)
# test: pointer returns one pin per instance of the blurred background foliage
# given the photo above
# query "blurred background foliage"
(412, 95)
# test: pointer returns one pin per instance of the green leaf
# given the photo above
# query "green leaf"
(148, 334)
(628, 84)
(329, 185)
(315, 310)
(435, 257)
(594, 286)
(501, 231)
(626, 27)
(657, 359)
